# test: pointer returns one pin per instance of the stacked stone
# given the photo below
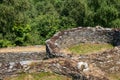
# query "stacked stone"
(79, 35)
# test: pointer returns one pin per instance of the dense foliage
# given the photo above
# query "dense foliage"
(31, 22)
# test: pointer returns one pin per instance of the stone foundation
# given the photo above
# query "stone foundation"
(79, 35)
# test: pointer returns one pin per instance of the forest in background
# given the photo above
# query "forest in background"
(31, 22)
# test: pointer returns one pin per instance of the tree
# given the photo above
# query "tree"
(6, 18)
(115, 23)
(14, 13)
(105, 15)
(77, 10)
(45, 7)
(22, 34)
(33, 21)
(46, 25)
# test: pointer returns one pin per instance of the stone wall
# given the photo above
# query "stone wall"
(81, 35)
(15, 62)
(21, 56)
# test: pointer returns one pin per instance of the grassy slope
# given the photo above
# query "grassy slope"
(39, 76)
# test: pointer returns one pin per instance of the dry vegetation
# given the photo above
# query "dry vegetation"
(23, 49)
(114, 76)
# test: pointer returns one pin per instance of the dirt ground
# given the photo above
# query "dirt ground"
(35, 48)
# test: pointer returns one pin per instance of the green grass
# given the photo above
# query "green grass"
(86, 48)
(39, 76)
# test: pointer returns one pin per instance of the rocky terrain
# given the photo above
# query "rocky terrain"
(82, 67)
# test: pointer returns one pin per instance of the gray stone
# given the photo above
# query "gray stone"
(83, 35)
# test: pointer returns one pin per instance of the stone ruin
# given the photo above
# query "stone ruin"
(82, 67)
(107, 62)
(79, 35)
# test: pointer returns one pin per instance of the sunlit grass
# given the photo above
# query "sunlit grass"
(86, 48)
(39, 76)
(114, 76)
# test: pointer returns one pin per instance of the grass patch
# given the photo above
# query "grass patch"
(114, 76)
(86, 48)
(39, 76)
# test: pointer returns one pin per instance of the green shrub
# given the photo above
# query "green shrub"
(5, 43)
